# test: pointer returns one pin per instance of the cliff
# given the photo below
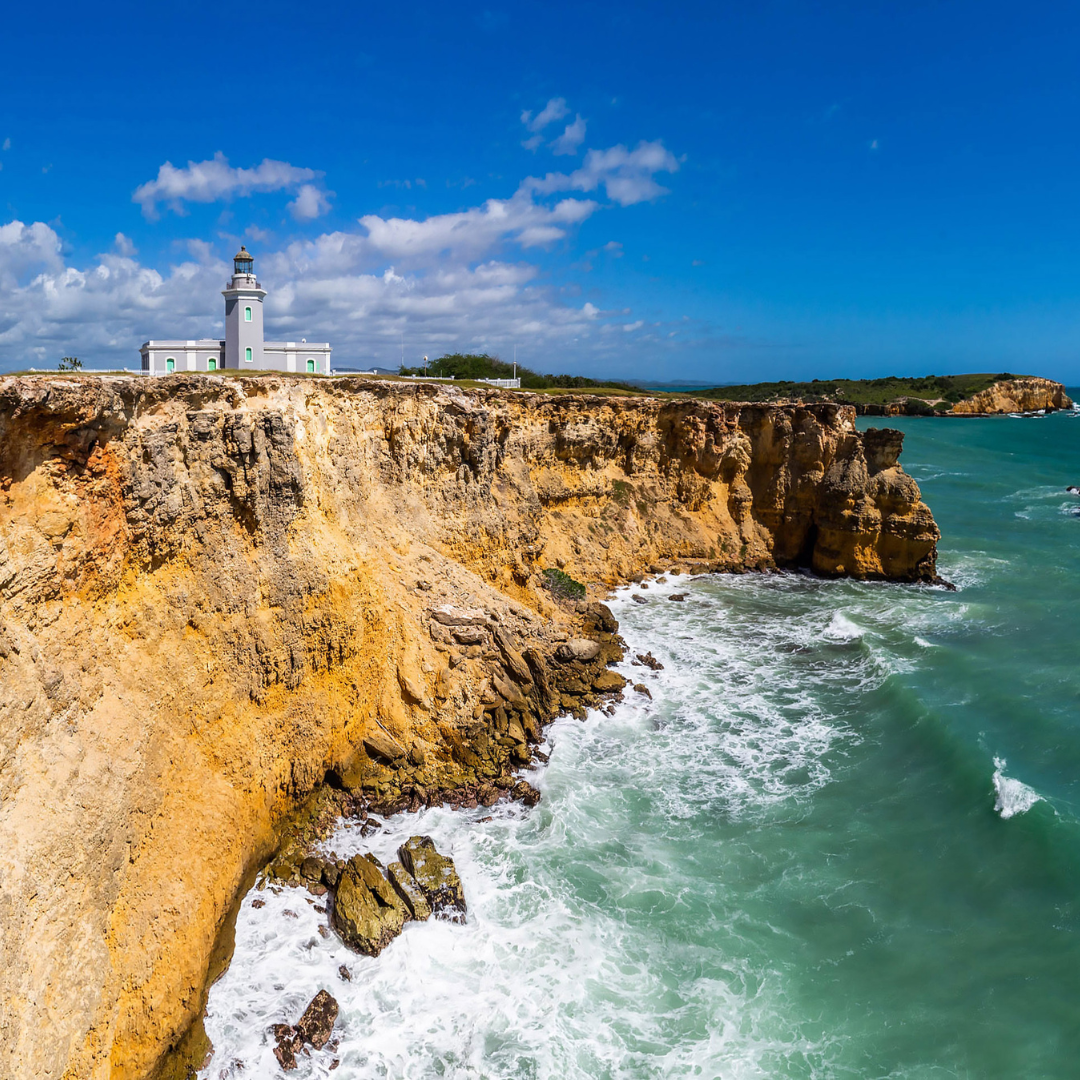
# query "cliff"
(1027, 394)
(216, 593)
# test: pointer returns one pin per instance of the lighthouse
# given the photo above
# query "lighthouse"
(243, 347)
(244, 315)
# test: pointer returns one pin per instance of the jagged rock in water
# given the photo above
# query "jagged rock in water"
(368, 913)
(650, 661)
(411, 894)
(314, 1028)
(436, 875)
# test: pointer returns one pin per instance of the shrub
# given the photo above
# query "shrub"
(563, 585)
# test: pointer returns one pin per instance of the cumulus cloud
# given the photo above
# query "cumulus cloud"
(628, 176)
(461, 280)
(569, 141)
(215, 179)
(309, 203)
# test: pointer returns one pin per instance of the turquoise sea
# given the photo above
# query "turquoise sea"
(842, 840)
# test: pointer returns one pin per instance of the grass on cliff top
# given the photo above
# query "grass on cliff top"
(950, 388)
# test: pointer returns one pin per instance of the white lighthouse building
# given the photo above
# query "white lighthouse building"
(243, 348)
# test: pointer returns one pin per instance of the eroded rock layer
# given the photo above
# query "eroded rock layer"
(217, 593)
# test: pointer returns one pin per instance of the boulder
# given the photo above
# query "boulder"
(314, 1028)
(608, 681)
(639, 599)
(677, 596)
(382, 747)
(650, 661)
(469, 635)
(641, 688)
(455, 616)
(317, 1024)
(436, 875)
(410, 892)
(577, 649)
(368, 913)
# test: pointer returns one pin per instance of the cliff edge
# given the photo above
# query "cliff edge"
(216, 593)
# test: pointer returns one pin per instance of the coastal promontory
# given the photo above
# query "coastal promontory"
(219, 594)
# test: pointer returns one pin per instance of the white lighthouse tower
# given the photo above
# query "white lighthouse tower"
(244, 315)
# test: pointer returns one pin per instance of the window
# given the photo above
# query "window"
(170, 364)
(247, 314)
(311, 367)
(247, 355)
(211, 364)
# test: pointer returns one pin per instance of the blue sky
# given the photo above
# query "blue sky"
(722, 192)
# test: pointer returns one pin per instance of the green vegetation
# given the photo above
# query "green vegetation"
(70, 363)
(563, 585)
(947, 388)
(483, 366)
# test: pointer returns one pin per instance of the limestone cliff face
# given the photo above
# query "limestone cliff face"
(215, 592)
(1028, 394)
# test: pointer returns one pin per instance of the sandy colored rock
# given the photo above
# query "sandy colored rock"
(578, 649)
(207, 593)
(1026, 394)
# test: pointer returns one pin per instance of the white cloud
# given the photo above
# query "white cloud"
(629, 327)
(554, 110)
(209, 181)
(309, 203)
(7, 144)
(614, 249)
(461, 280)
(569, 141)
(260, 236)
(628, 176)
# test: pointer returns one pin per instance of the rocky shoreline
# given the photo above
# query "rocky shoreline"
(230, 606)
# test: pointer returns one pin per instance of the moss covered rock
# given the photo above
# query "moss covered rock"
(436, 875)
(368, 913)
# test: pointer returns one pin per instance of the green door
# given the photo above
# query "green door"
(170, 364)
(311, 367)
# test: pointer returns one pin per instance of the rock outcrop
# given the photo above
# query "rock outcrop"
(218, 593)
(1026, 394)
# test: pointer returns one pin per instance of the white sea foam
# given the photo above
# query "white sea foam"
(1011, 796)
(561, 971)
(841, 628)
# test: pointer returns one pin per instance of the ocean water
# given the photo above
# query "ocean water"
(841, 840)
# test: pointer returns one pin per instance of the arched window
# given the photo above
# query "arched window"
(311, 367)
(247, 314)
(170, 364)
(247, 355)
(211, 364)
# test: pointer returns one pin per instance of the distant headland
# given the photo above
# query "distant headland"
(932, 395)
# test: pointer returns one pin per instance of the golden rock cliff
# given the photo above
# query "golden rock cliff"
(1025, 394)
(214, 593)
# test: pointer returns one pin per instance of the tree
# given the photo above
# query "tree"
(70, 363)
